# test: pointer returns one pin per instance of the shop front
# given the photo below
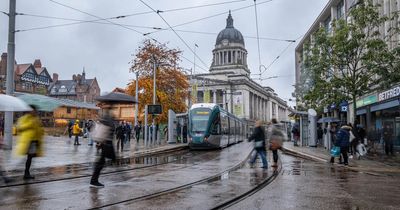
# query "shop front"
(381, 110)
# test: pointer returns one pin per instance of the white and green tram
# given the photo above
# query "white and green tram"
(210, 127)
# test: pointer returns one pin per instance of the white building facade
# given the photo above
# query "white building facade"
(229, 85)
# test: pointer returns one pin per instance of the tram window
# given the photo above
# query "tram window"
(199, 120)
(224, 124)
(216, 126)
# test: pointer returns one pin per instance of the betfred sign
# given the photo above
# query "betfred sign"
(394, 92)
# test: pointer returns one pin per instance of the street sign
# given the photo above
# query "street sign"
(154, 109)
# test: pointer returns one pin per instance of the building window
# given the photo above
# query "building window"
(340, 9)
(68, 110)
(327, 24)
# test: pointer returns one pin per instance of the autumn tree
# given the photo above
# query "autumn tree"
(353, 59)
(171, 82)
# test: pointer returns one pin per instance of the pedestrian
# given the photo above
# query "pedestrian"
(320, 134)
(76, 131)
(184, 133)
(30, 141)
(1, 126)
(2, 171)
(70, 125)
(361, 133)
(89, 127)
(354, 140)
(178, 132)
(259, 144)
(387, 134)
(120, 135)
(275, 137)
(137, 129)
(128, 131)
(296, 134)
(343, 141)
(103, 134)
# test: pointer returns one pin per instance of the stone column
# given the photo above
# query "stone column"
(214, 96)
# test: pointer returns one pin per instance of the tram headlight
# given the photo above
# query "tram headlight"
(190, 139)
(205, 138)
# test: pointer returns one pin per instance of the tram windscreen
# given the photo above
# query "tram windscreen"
(199, 119)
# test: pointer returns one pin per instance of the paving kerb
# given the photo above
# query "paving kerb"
(372, 170)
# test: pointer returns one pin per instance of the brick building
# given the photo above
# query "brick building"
(78, 89)
(28, 77)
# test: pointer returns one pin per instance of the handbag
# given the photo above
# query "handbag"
(335, 151)
(276, 142)
(100, 132)
(258, 144)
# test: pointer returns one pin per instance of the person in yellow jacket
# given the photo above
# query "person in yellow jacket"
(30, 141)
(76, 131)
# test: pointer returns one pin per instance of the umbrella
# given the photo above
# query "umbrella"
(328, 120)
(12, 104)
(43, 103)
(115, 97)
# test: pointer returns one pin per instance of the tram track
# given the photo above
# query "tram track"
(178, 188)
(126, 162)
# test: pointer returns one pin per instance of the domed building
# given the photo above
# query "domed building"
(229, 85)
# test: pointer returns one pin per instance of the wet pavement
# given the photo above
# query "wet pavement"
(60, 151)
(122, 186)
(307, 184)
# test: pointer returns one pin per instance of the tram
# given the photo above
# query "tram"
(211, 127)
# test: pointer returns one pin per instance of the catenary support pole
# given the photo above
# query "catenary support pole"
(8, 121)
(137, 99)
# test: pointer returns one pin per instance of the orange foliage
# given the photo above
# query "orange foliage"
(171, 83)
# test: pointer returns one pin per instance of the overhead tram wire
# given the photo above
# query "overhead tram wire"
(166, 22)
(208, 17)
(258, 38)
(115, 17)
(117, 25)
(133, 26)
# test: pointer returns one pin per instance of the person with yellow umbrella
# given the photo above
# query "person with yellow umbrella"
(30, 141)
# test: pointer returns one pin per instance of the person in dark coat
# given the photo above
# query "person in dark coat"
(320, 134)
(137, 129)
(106, 146)
(343, 141)
(259, 144)
(120, 134)
(387, 134)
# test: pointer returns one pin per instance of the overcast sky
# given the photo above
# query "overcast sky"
(105, 50)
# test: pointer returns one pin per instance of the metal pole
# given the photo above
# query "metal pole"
(8, 121)
(145, 126)
(137, 99)
(154, 101)
(194, 59)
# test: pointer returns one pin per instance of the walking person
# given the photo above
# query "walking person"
(76, 130)
(103, 134)
(120, 135)
(343, 141)
(275, 137)
(2, 173)
(137, 129)
(387, 134)
(259, 144)
(296, 134)
(89, 127)
(320, 134)
(70, 125)
(128, 132)
(30, 141)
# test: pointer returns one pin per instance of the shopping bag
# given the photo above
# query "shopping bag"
(258, 144)
(100, 132)
(361, 150)
(335, 151)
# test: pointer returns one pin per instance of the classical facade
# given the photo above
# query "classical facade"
(229, 85)
(28, 77)
(78, 89)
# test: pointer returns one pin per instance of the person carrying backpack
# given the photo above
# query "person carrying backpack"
(275, 137)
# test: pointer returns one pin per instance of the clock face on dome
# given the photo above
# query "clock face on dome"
(225, 42)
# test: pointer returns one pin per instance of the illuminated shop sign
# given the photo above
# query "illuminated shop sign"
(394, 92)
